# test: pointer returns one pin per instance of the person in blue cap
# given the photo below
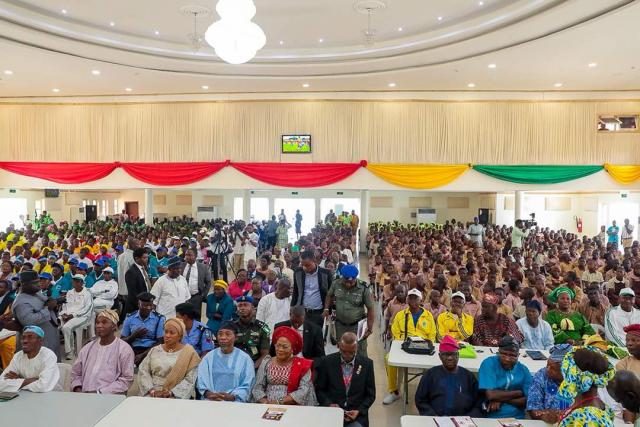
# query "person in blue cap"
(144, 328)
(171, 289)
(353, 304)
(59, 280)
(253, 336)
(543, 401)
(45, 286)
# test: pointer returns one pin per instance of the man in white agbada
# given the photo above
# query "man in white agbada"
(76, 312)
(34, 368)
(618, 317)
(171, 289)
(274, 307)
(104, 291)
(476, 232)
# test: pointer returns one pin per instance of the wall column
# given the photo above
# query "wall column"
(148, 206)
(319, 217)
(246, 205)
(272, 208)
(519, 205)
(364, 219)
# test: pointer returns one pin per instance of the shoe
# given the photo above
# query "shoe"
(390, 398)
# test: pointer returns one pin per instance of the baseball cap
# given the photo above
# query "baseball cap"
(415, 292)
(459, 294)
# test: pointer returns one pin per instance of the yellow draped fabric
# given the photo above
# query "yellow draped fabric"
(624, 174)
(417, 176)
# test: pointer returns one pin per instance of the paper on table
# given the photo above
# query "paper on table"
(274, 414)
(444, 422)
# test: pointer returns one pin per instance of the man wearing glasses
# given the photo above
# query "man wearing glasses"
(449, 389)
(505, 381)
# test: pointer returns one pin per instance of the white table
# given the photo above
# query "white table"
(405, 361)
(417, 421)
(57, 409)
(175, 412)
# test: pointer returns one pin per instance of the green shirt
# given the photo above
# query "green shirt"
(572, 326)
(350, 302)
(252, 338)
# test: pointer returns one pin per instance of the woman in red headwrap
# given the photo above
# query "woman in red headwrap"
(286, 378)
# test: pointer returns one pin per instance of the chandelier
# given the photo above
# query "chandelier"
(234, 37)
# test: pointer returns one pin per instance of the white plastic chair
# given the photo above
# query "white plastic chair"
(64, 382)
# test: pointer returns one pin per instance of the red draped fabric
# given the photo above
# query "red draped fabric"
(63, 173)
(172, 173)
(298, 174)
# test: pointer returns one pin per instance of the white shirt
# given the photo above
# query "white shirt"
(105, 290)
(169, 293)
(476, 231)
(627, 234)
(44, 367)
(79, 304)
(87, 261)
(272, 310)
(193, 277)
(349, 254)
(125, 261)
(251, 247)
(614, 322)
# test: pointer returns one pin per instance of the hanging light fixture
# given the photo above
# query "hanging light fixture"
(234, 37)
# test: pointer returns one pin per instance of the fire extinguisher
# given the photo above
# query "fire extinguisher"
(579, 224)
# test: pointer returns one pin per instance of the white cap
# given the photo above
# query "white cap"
(627, 292)
(415, 292)
(107, 270)
(459, 294)
(78, 277)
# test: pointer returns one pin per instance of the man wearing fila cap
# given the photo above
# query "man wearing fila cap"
(75, 313)
(632, 361)
(617, 318)
(455, 323)
(413, 321)
(104, 291)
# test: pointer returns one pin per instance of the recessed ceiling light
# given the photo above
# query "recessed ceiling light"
(492, 66)
(64, 11)
(205, 87)
(55, 89)
(95, 72)
(439, 18)
(558, 85)
(281, 42)
(8, 72)
(593, 64)
(156, 32)
(320, 40)
(112, 24)
(392, 85)
(480, 3)
(128, 89)
(305, 85)
(400, 29)
(471, 85)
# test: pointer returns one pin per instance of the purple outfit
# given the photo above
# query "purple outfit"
(107, 369)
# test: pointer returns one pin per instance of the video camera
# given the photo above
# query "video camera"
(529, 223)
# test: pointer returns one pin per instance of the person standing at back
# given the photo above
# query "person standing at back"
(310, 287)
(124, 262)
(612, 232)
(136, 279)
(198, 277)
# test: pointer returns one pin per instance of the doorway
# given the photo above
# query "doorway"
(619, 211)
(307, 209)
(131, 209)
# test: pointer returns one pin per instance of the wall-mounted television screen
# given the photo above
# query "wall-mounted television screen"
(296, 144)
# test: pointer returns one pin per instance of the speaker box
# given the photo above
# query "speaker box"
(91, 212)
(483, 216)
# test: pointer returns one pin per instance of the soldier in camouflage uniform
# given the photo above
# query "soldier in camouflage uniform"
(253, 335)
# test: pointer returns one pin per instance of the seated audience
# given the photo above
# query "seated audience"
(568, 325)
(505, 381)
(312, 339)
(455, 322)
(449, 389)
(414, 321)
(632, 361)
(253, 336)
(171, 289)
(34, 368)
(170, 369)
(197, 334)
(617, 318)
(543, 402)
(595, 307)
(274, 306)
(226, 373)
(286, 378)
(537, 332)
(346, 380)
(584, 371)
(240, 286)
(490, 326)
(104, 291)
(105, 365)
(143, 329)
(220, 306)
(398, 303)
(75, 313)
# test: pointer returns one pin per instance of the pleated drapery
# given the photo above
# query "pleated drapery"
(624, 174)
(418, 176)
(537, 174)
(301, 175)
(63, 173)
(172, 173)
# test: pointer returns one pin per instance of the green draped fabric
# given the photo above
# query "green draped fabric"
(538, 174)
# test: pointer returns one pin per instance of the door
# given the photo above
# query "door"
(131, 209)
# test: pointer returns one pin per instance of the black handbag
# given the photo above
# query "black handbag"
(415, 347)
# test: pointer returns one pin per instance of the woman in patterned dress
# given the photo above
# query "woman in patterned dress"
(286, 378)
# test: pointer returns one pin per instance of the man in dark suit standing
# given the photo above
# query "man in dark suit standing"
(346, 380)
(198, 278)
(137, 279)
(310, 286)
(312, 340)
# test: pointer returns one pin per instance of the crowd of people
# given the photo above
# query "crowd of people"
(157, 303)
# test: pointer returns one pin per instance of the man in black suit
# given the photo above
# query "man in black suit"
(312, 341)
(198, 278)
(346, 380)
(310, 286)
(137, 279)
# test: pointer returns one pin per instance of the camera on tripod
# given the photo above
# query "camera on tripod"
(528, 223)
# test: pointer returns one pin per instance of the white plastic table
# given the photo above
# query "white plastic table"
(405, 361)
(417, 421)
(176, 412)
(57, 409)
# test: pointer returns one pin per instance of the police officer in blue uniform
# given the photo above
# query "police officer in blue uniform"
(198, 335)
(144, 328)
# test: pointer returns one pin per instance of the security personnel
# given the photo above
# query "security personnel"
(198, 335)
(144, 328)
(351, 297)
(253, 335)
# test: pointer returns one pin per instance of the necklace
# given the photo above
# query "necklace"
(170, 350)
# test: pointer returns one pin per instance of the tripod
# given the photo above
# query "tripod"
(220, 258)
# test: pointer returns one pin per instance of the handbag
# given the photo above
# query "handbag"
(467, 351)
(415, 347)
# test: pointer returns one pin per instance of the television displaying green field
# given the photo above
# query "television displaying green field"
(296, 143)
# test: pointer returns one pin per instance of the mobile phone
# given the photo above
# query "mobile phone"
(536, 355)
(4, 396)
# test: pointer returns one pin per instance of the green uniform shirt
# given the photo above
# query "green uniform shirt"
(252, 338)
(350, 302)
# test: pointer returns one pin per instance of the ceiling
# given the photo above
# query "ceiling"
(534, 45)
